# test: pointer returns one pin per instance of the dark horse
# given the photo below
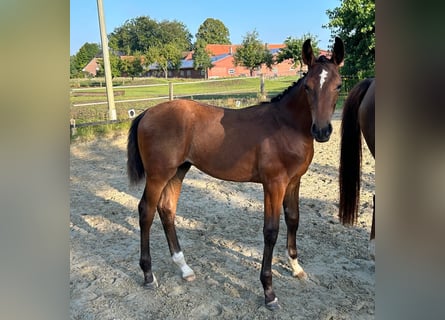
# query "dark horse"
(358, 118)
(270, 143)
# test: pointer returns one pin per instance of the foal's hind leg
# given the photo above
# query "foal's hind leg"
(292, 217)
(167, 211)
(147, 210)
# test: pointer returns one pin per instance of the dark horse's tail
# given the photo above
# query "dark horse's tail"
(135, 168)
(351, 154)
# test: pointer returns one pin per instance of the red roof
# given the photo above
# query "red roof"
(219, 49)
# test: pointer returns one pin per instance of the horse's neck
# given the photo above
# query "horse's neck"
(294, 108)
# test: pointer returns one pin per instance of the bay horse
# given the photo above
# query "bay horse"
(270, 143)
(358, 118)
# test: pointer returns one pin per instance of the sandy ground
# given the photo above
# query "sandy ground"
(219, 226)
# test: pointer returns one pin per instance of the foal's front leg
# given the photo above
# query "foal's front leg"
(292, 217)
(273, 197)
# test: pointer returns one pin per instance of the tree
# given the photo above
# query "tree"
(252, 53)
(167, 57)
(293, 48)
(213, 31)
(131, 66)
(141, 33)
(201, 57)
(354, 23)
(161, 42)
(114, 66)
(175, 32)
(74, 72)
(87, 52)
(136, 66)
(134, 35)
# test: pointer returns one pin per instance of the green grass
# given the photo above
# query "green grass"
(88, 133)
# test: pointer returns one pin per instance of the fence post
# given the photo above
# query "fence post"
(73, 129)
(170, 91)
(262, 91)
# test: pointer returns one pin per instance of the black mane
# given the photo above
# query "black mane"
(323, 59)
(282, 94)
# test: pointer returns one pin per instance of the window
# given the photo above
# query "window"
(231, 71)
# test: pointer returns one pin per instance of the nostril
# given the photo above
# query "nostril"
(313, 129)
(330, 129)
(326, 132)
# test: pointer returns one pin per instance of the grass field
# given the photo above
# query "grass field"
(232, 93)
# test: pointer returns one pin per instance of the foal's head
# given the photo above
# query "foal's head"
(322, 84)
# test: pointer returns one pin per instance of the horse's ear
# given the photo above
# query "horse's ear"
(308, 54)
(338, 54)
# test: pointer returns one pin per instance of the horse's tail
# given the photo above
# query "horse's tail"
(351, 154)
(135, 168)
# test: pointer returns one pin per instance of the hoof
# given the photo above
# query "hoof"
(273, 305)
(300, 275)
(187, 273)
(189, 277)
(151, 285)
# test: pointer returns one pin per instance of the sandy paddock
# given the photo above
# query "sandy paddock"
(219, 226)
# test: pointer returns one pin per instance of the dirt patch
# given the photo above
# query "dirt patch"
(219, 226)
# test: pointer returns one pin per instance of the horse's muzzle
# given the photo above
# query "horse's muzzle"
(321, 134)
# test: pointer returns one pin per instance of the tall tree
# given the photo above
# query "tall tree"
(293, 49)
(175, 32)
(354, 23)
(134, 35)
(161, 42)
(213, 31)
(252, 53)
(201, 57)
(114, 65)
(87, 52)
(167, 57)
(131, 66)
(74, 72)
(141, 33)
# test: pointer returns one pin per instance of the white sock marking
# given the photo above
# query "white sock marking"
(178, 259)
(323, 76)
(295, 266)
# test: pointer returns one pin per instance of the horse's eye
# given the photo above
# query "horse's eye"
(338, 87)
(306, 87)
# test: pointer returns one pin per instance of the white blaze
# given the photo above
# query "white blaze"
(323, 76)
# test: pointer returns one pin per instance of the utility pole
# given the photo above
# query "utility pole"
(106, 57)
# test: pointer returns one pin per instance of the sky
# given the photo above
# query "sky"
(273, 20)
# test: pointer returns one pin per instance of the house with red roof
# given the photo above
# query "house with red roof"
(92, 67)
(224, 66)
